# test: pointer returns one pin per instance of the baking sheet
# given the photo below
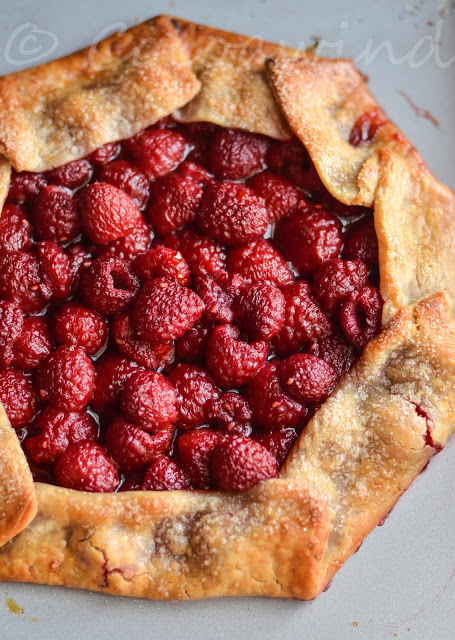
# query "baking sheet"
(401, 583)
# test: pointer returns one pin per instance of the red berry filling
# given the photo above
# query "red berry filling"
(239, 463)
(107, 213)
(55, 215)
(15, 229)
(235, 154)
(231, 213)
(174, 201)
(187, 346)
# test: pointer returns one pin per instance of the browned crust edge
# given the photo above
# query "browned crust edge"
(18, 503)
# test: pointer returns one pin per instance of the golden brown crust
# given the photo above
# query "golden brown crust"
(415, 224)
(175, 545)
(371, 438)
(234, 87)
(362, 449)
(322, 99)
(18, 502)
(5, 174)
(65, 109)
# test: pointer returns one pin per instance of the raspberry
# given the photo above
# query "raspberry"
(11, 326)
(161, 261)
(164, 475)
(304, 321)
(107, 213)
(57, 430)
(85, 466)
(231, 362)
(259, 262)
(76, 325)
(195, 392)
(55, 215)
(340, 209)
(304, 177)
(281, 197)
(235, 154)
(33, 344)
(20, 281)
(278, 442)
(270, 406)
(156, 151)
(260, 311)
(231, 213)
(79, 258)
(164, 310)
(334, 349)
(360, 316)
(132, 482)
(195, 172)
(203, 256)
(191, 346)
(361, 242)
(174, 201)
(309, 237)
(306, 378)
(199, 132)
(336, 279)
(366, 126)
(125, 176)
(284, 152)
(108, 285)
(238, 463)
(195, 449)
(234, 414)
(106, 153)
(217, 303)
(129, 246)
(15, 229)
(55, 269)
(17, 397)
(41, 473)
(25, 186)
(132, 448)
(71, 175)
(150, 356)
(66, 379)
(149, 401)
(112, 372)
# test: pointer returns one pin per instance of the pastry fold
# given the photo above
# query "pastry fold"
(67, 108)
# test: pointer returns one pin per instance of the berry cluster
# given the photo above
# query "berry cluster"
(175, 307)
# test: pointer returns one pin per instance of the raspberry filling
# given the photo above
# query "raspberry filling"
(175, 308)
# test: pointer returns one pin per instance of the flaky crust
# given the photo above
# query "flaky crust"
(415, 224)
(5, 174)
(322, 99)
(18, 503)
(65, 109)
(234, 87)
(175, 545)
(387, 416)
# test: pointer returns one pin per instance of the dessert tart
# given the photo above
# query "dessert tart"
(227, 341)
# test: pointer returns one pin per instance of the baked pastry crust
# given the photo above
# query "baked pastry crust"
(387, 416)
(65, 109)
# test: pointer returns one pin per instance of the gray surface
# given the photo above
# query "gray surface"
(402, 581)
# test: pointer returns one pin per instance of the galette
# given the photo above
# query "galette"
(227, 342)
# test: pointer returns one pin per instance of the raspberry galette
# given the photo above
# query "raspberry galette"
(227, 344)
